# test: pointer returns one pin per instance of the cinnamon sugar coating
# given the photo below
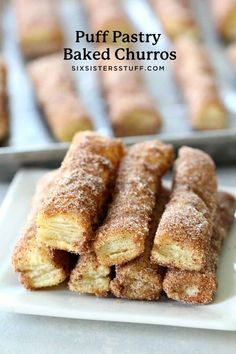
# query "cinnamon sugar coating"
(139, 279)
(56, 94)
(183, 235)
(38, 265)
(130, 107)
(224, 13)
(74, 206)
(197, 82)
(200, 287)
(122, 236)
(177, 18)
(107, 15)
(38, 27)
(4, 115)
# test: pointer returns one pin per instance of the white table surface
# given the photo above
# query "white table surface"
(34, 334)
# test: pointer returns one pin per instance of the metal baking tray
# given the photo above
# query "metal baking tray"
(30, 141)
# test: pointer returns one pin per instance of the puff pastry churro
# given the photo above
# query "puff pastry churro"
(3, 101)
(130, 107)
(38, 26)
(56, 94)
(224, 13)
(90, 277)
(107, 15)
(38, 265)
(200, 287)
(177, 18)
(74, 206)
(139, 279)
(183, 235)
(197, 81)
(122, 236)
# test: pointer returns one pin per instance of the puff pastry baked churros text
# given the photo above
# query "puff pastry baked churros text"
(132, 238)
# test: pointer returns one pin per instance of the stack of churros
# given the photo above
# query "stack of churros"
(3, 101)
(177, 18)
(38, 265)
(197, 81)
(224, 13)
(38, 26)
(199, 287)
(134, 239)
(107, 15)
(131, 108)
(56, 94)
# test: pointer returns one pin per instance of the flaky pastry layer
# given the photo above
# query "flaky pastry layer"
(122, 236)
(38, 265)
(74, 206)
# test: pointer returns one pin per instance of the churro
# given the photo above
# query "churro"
(56, 94)
(38, 27)
(74, 206)
(122, 236)
(224, 13)
(38, 265)
(130, 107)
(89, 276)
(184, 232)
(197, 81)
(200, 287)
(139, 279)
(177, 18)
(4, 120)
(107, 15)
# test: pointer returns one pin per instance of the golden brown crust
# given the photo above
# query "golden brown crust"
(140, 279)
(38, 265)
(183, 235)
(38, 27)
(74, 206)
(57, 96)
(89, 276)
(200, 287)
(197, 81)
(122, 236)
(107, 15)
(4, 115)
(224, 13)
(130, 107)
(177, 18)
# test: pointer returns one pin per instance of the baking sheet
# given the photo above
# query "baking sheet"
(29, 132)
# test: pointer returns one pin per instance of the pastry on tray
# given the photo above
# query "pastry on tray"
(56, 93)
(122, 236)
(38, 27)
(197, 82)
(4, 119)
(134, 238)
(140, 279)
(38, 265)
(76, 202)
(200, 287)
(183, 236)
(107, 15)
(224, 13)
(130, 107)
(177, 18)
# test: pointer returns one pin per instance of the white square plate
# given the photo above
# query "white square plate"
(62, 303)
